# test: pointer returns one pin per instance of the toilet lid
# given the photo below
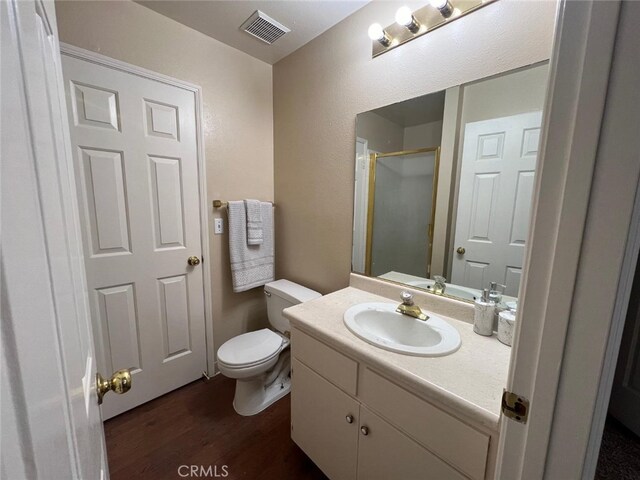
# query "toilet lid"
(250, 348)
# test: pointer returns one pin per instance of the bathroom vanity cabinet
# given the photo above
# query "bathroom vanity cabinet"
(355, 423)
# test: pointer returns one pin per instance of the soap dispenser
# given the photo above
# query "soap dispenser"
(484, 314)
(496, 290)
(494, 293)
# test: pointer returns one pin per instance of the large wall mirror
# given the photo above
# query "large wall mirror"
(444, 185)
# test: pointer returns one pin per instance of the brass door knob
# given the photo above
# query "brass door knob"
(193, 260)
(120, 382)
(461, 250)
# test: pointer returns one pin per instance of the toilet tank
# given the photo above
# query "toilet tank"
(282, 294)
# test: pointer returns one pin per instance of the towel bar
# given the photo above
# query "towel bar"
(221, 204)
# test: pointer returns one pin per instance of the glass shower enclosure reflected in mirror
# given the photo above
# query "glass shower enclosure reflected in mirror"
(401, 204)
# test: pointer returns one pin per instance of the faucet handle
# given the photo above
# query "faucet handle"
(439, 278)
(407, 298)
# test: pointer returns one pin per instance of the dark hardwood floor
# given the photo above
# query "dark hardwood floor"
(196, 425)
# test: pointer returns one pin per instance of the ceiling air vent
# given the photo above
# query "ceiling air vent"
(264, 27)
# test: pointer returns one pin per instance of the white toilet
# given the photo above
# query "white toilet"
(260, 360)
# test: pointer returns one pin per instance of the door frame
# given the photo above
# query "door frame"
(571, 294)
(93, 57)
(597, 348)
(360, 200)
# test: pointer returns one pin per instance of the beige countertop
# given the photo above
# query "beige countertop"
(468, 382)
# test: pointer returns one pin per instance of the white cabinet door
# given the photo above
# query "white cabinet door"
(494, 204)
(324, 423)
(51, 426)
(134, 142)
(384, 453)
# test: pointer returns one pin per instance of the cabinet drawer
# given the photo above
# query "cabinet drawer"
(331, 364)
(459, 444)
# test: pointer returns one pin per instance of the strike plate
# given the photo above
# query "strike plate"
(515, 407)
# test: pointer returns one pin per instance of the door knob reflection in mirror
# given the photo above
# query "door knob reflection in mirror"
(120, 382)
(461, 250)
(193, 261)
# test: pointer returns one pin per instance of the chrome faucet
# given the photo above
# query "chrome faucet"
(407, 307)
(439, 286)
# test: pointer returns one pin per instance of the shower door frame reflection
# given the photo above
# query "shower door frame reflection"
(373, 159)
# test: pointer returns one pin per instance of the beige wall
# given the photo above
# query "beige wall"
(319, 89)
(423, 136)
(238, 119)
(511, 94)
(382, 135)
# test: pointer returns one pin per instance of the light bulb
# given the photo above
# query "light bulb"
(444, 6)
(376, 32)
(439, 4)
(404, 16)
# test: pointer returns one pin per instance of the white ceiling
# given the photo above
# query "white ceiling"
(221, 19)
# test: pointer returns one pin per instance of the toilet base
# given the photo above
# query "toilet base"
(252, 397)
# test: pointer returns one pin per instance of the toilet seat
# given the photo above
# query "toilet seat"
(251, 349)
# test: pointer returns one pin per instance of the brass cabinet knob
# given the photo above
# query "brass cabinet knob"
(193, 260)
(461, 250)
(120, 382)
(364, 430)
(349, 418)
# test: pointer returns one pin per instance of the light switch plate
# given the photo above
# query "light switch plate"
(218, 226)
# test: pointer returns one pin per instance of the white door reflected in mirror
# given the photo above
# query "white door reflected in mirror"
(496, 189)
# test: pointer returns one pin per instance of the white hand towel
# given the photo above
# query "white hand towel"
(251, 265)
(254, 222)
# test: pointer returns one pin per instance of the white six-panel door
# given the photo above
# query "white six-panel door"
(135, 151)
(496, 189)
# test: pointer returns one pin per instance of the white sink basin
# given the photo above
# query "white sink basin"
(465, 293)
(379, 324)
(454, 291)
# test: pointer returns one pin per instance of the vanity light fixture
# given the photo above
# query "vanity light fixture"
(410, 25)
(444, 6)
(377, 33)
(404, 17)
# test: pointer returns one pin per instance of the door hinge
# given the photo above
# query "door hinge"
(515, 407)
